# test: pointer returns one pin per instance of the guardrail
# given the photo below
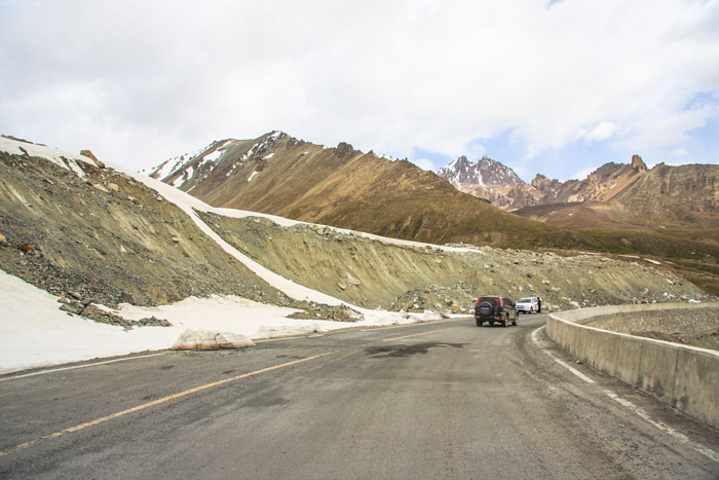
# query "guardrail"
(685, 377)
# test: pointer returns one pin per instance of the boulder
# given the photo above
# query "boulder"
(200, 339)
(91, 156)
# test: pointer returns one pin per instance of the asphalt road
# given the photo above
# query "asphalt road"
(436, 400)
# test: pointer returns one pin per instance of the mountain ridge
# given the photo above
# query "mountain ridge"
(626, 194)
(485, 171)
(340, 186)
(344, 187)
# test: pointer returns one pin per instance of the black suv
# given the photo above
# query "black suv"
(495, 309)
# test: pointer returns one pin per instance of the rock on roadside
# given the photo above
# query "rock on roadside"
(200, 339)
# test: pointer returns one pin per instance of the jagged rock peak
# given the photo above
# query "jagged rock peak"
(638, 164)
(482, 172)
(91, 156)
(461, 162)
(606, 170)
(539, 180)
(344, 150)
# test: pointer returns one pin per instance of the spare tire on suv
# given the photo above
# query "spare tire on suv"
(495, 309)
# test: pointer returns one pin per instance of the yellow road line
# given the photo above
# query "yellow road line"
(415, 335)
(156, 402)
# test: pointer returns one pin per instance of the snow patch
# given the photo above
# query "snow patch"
(186, 175)
(201, 339)
(34, 332)
(212, 156)
(66, 160)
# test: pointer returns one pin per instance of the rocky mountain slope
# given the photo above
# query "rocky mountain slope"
(614, 195)
(78, 229)
(382, 273)
(347, 188)
(95, 235)
(514, 194)
(482, 172)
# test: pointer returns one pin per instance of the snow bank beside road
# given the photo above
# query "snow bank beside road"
(34, 332)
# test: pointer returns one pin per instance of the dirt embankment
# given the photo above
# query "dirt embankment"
(109, 239)
(377, 274)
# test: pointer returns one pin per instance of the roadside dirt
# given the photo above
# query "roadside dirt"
(698, 327)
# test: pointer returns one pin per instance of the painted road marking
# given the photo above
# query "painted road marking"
(679, 437)
(640, 412)
(159, 401)
(575, 371)
(45, 372)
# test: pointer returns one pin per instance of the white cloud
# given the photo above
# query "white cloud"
(602, 131)
(425, 164)
(145, 80)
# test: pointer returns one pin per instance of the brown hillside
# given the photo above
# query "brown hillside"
(686, 195)
(280, 175)
(342, 187)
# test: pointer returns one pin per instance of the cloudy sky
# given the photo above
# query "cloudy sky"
(557, 87)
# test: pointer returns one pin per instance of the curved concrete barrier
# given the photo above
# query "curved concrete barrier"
(685, 377)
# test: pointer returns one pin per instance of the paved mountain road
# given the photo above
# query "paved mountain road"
(435, 400)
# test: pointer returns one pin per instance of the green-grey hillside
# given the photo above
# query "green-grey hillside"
(383, 274)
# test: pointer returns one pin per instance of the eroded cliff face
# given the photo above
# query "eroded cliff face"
(685, 195)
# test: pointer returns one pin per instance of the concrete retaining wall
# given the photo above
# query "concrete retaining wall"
(685, 377)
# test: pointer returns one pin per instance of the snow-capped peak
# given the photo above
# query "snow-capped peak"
(482, 172)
